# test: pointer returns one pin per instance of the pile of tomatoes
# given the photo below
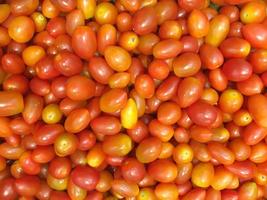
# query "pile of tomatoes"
(133, 99)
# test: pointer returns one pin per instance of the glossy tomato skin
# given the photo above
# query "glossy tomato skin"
(12, 103)
(242, 70)
(201, 113)
(85, 177)
(256, 35)
(144, 21)
(84, 42)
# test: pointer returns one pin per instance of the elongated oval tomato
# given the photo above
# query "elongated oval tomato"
(11, 103)
(257, 106)
(198, 24)
(202, 113)
(84, 42)
(169, 48)
(256, 35)
(219, 28)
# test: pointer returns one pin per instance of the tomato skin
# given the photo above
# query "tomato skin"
(80, 88)
(85, 177)
(196, 194)
(27, 185)
(148, 150)
(229, 195)
(168, 88)
(46, 134)
(248, 190)
(84, 42)
(68, 64)
(144, 86)
(106, 36)
(256, 35)
(107, 125)
(218, 79)
(60, 168)
(165, 49)
(190, 5)
(11, 103)
(258, 60)
(211, 57)
(241, 72)
(243, 169)
(187, 64)
(240, 149)
(257, 106)
(219, 28)
(144, 21)
(202, 175)
(235, 47)
(212, 194)
(189, 91)
(12, 63)
(133, 170)
(201, 113)
(77, 120)
(8, 189)
(221, 153)
(198, 24)
(162, 170)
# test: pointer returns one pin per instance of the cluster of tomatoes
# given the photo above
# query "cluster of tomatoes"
(133, 99)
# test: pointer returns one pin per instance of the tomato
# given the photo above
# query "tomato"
(241, 72)
(5, 11)
(187, 64)
(85, 177)
(21, 29)
(253, 12)
(113, 100)
(125, 189)
(162, 170)
(148, 149)
(258, 152)
(202, 174)
(57, 184)
(243, 169)
(235, 48)
(11, 103)
(230, 101)
(170, 29)
(76, 192)
(12, 63)
(198, 24)
(73, 20)
(211, 57)
(27, 185)
(144, 21)
(255, 34)
(168, 88)
(117, 58)
(43, 154)
(106, 36)
(196, 194)
(146, 43)
(84, 42)
(241, 150)
(119, 80)
(222, 178)
(202, 113)
(189, 91)
(190, 5)
(8, 189)
(77, 120)
(165, 49)
(65, 144)
(96, 156)
(221, 153)
(162, 131)
(133, 170)
(248, 190)
(117, 145)
(80, 88)
(212, 194)
(68, 64)
(28, 165)
(230, 11)
(144, 86)
(166, 191)
(258, 60)
(219, 28)
(105, 13)
(200, 151)
(257, 104)
(218, 79)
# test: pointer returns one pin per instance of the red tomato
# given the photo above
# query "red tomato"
(237, 69)
(257, 106)
(202, 113)
(85, 177)
(84, 42)
(255, 34)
